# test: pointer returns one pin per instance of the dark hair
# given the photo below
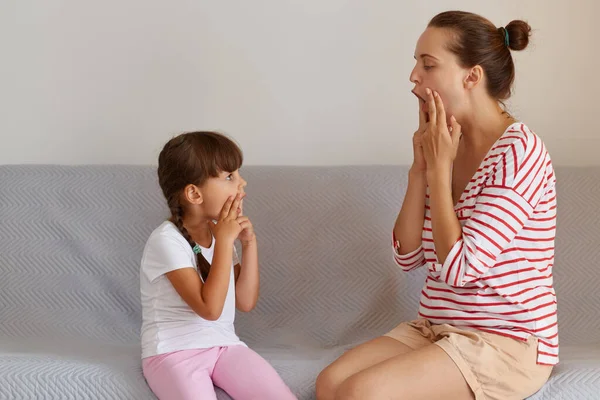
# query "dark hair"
(477, 41)
(192, 158)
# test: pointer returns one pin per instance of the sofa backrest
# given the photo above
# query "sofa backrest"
(71, 239)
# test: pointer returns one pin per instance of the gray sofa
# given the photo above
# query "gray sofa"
(71, 240)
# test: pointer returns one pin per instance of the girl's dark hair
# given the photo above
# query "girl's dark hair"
(477, 41)
(192, 158)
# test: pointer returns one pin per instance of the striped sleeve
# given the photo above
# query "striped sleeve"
(407, 262)
(505, 204)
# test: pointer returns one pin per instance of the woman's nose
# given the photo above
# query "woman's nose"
(414, 77)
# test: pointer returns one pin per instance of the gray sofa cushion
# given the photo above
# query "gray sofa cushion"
(71, 240)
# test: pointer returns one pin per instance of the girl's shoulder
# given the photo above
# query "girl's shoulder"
(165, 251)
(166, 228)
(166, 235)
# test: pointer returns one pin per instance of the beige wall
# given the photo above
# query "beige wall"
(295, 82)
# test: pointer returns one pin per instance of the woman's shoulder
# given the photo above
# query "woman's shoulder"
(523, 162)
(520, 150)
(520, 142)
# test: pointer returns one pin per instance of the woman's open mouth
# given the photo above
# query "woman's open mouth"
(419, 97)
(423, 105)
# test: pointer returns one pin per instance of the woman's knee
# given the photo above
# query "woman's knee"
(327, 383)
(354, 388)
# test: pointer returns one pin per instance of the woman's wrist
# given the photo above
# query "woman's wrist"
(438, 173)
(416, 173)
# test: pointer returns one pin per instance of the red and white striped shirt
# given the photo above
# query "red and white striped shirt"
(498, 276)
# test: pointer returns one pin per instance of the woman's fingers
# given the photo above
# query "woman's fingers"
(431, 107)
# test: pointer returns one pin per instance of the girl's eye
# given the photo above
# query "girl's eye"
(229, 177)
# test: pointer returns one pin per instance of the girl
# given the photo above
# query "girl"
(191, 280)
(480, 214)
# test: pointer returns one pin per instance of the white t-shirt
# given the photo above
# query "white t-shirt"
(168, 323)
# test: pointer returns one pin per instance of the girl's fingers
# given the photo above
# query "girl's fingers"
(226, 208)
(233, 211)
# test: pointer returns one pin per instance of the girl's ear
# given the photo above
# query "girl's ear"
(192, 194)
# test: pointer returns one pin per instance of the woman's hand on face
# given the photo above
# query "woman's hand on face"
(439, 141)
(419, 164)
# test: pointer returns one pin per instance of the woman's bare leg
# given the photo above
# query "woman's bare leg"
(355, 360)
(423, 374)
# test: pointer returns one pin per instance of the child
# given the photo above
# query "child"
(191, 280)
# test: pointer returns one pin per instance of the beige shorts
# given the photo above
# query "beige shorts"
(495, 367)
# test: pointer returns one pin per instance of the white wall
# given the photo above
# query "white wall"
(295, 82)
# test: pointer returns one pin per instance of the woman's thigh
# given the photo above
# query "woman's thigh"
(426, 373)
(356, 360)
(404, 338)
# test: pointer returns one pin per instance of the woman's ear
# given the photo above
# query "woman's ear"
(474, 77)
(192, 194)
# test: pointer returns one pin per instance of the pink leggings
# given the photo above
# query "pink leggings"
(190, 374)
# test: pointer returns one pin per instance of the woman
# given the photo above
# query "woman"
(480, 214)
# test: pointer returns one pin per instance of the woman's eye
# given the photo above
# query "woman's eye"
(427, 67)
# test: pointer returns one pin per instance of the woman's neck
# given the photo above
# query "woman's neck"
(487, 123)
